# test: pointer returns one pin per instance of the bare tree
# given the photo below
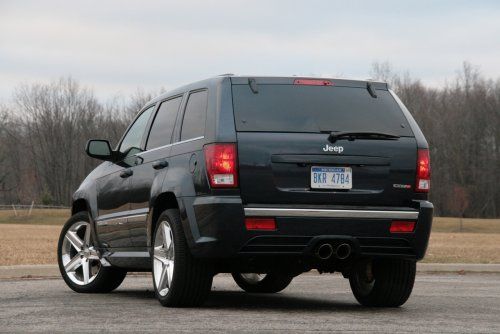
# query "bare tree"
(461, 122)
(3, 154)
(57, 118)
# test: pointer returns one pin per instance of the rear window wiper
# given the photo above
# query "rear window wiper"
(333, 137)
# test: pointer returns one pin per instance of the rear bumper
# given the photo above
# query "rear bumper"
(220, 233)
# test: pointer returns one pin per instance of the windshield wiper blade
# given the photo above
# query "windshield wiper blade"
(333, 137)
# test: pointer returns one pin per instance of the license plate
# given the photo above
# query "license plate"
(331, 177)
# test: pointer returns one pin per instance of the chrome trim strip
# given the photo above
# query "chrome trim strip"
(328, 213)
(168, 145)
(123, 214)
(119, 220)
(136, 216)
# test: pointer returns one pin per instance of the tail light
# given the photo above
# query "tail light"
(221, 161)
(402, 226)
(423, 181)
(254, 223)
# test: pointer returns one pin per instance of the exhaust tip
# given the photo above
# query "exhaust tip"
(343, 251)
(324, 251)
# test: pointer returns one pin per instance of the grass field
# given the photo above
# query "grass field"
(28, 244)
(33, 239)
(37, 217)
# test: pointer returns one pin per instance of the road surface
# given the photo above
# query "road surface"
(312, 303)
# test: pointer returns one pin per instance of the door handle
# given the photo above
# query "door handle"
(126, 173)
(160, 164)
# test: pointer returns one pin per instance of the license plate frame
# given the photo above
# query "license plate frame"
(334, 178)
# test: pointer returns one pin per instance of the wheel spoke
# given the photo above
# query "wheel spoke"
(163, 278)
(170, 270)
(167, 237)
(73, 264)
(87, 235)
(86, 270)
(157, 269)
(75, 240)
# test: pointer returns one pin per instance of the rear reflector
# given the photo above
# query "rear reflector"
(401, 226)
(253, 223)
(221, 161)
(312, 82)
(423, 178)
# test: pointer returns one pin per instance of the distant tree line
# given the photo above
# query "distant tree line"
(44, 128)
(43, 132)
(461, 122)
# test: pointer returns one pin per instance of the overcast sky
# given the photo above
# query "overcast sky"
(115, 47)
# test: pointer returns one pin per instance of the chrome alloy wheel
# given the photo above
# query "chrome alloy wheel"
(163, 263)
(80, 259)
(253, 278)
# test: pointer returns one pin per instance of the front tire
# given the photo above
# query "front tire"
(383, 283)
(262, 283)
(79, 260)
(179, 279)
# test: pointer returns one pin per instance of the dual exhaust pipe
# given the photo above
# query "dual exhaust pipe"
(326, 251)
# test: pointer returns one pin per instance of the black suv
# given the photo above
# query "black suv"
(261, 177)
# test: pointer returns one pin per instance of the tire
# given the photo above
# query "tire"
(383, 283)
(77, 255)
(179, 279)
(262, 283)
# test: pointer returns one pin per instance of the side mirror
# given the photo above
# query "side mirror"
(99, 149)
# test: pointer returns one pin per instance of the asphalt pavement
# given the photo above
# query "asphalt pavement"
(440, 303)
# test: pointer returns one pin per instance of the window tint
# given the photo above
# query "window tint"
(296, 108)
(133, 137)
(193, 124)
(164, 123)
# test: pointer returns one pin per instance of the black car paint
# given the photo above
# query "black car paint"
(377, 164)
(213, 219)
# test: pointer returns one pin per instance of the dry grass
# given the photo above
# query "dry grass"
(463, 248)
(31, 240)
(469, 225)
(37, 217)
(28, 244)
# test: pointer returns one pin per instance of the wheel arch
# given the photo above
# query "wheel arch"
(79, 205)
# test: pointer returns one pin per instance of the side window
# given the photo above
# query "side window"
(193, 124)
(132, 140)
(163, 125)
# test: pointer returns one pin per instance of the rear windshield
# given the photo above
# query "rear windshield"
(298, 108)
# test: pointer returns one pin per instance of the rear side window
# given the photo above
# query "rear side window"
(298, 108)
(195, 115)
(163, 124)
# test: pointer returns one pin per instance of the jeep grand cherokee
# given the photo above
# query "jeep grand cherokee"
(262, 177)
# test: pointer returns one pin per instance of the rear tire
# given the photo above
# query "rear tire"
(179, 279)
(383, 283)
(79, 260)
(262, 283)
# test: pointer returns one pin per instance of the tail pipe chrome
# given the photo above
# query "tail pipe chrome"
(324, 251)
(343, 251)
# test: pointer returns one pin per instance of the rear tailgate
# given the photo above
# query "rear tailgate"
(283, 131)
(276, 168)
